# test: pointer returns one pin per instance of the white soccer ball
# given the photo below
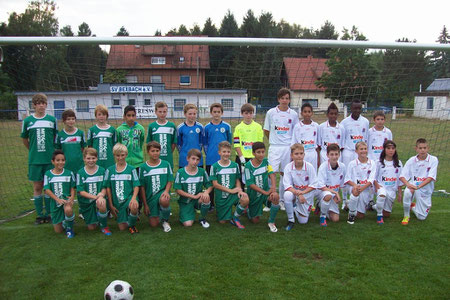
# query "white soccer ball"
(119, 290)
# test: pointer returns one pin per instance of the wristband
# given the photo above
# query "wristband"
(242, 158)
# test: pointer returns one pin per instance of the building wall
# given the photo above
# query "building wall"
(322, 102)
(171, 78)
(440, 110)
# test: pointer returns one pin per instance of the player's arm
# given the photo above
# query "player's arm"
(72, 194)
(399, 194)
(307, 190)
(187, 195)
(143, 197)
(26, 143)
(266, 133)
(49, 193)
(133, 202)
(377, 185)
(409, 185)
(425, 182)
(113, 210)
(260, 190)
(166, 194)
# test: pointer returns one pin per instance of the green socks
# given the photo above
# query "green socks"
(165, 213)
(103, 219)
(239, 210)
(132, 220)
(204, 209)
(47, 200)
(38, 206)
(273, 212)
(69, 222)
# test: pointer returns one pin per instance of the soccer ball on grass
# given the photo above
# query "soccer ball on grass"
(119, 290)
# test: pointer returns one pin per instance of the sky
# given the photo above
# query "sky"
(379, 21)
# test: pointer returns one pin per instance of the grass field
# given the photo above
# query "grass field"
(341, 261)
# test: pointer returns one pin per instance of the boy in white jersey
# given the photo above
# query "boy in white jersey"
(360, 176)
(330, 180)
(356, 129)
(387, 183)
(278, 127)
(306, 133)
(330, 132)
(419, 175)
(378, 134)
(299, 182)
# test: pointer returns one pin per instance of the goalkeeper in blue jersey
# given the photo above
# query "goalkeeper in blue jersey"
(189, 135)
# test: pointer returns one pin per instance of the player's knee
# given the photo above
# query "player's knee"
(222, 222)
(58, 228)
(386, 214)
(407, 195)
(91, 227)
(302, 219)
(334, 217)
(255, 220)
(288, 197)
(244, 201)
(134, 210)
(327, 198)
(153, 221)
(68, 211)
(188, 223)
(360, 215)
(421, 217)
(164, 203)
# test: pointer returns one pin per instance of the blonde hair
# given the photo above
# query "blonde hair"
(102, 109)
(224, 144)
(297, 146)
(188, 107)
(90, 151)
(119, 148)
(358, 144)
(38, 98)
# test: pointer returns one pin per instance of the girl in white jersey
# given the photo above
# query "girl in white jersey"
(387, 183)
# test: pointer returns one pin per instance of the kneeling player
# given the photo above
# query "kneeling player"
(225, 177)
(189, 184)
(91, 193)
(59, 185)
(156, 178)
(122, 187)
(330, 180)
(360, 176)
(258, 172)
(299, 181)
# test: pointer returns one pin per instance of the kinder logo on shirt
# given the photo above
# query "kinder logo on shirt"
(282, 129)
(356, 138)
(362, 181)
(247, 145)
(389, 180)
(379, 148)
(419, 178)
(308, 144)
(300, 187)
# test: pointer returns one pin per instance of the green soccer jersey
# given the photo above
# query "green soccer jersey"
(72, 145)
(226, 176)
(122, 183)
(103, 140)
(89, 183)
(59, 184)
(133, 138)
(155, 178)
(166, 136)
(258, 175)
(41, 134)
(192, 184)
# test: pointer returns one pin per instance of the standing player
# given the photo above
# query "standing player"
(378, 134)
(189, 135)
(306, 133)
(278, 127)
(156, 178)
(164, 132)
(261, 186)
(59, 184)
(419, 175)
(330, 180)
(299, 183)
(38, 136)
(356, 129)
(102, 137)
(330, 132)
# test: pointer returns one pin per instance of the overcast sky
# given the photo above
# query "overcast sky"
(381, 21)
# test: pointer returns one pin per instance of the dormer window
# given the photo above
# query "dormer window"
(157, 60)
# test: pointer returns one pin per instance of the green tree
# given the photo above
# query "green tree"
(123, 32)
(158, 32)
(115, 76)
(196, 30)
(84, 30)
(440, 60)
(209, 29)
(66, 31)
(7, 97)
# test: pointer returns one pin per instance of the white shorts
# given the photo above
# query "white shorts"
(334, 207)
(305, 208)
(363, 199)
(279, 157)
(311, 157)
(423, 202)
(348, 156)
(389, 198)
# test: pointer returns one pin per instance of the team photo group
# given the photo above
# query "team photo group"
(328, 169)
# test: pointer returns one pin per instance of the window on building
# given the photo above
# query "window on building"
(157, 60)
(132, 102)
(131, 79)
(116, 102)
(82, 105)
(147, 102)
(30, 104)
(181, 59)
(313, 102)
(156, 79)
(430, 102)
(178, 104)
(185, 80)
(228, 104)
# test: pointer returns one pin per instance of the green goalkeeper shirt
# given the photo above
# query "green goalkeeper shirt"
(133, 138)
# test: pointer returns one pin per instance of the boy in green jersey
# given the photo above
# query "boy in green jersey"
(164, 132)
(71, 141)
(102, 137)
(156, 178)
(189, 184)
(131, 134)
(122, 187)
(91, 192)
(59, 184)
(225, 175)
(261, 186)
(38, 135)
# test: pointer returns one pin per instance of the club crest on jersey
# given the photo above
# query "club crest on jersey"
(428, 169)
(340, 177)
(222, 130)
(396, 170)
(363, 130)
(290, 121)
(197, 130)
(338, 136)
(306, 178)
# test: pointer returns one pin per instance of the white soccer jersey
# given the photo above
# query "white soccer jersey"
(355, 131)
(280, 124)
(306, 135)
(332, 179)
(299, 179)
(416, 171)
(330, 135)
(376, 139)
(388, 175)
(361, 173)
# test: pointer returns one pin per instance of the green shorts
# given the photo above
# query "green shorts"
(89, 212)
(255, 207)
(224, 207)
(187, 210)
(56, 212)
(153, 204)
(124, 211)
(37, 172)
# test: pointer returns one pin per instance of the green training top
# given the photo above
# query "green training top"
(41, 133)
(133, 138)
(72, 145)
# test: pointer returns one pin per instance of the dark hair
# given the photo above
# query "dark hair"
(194, 152)
(247, 107)
(257, 146)
(306, 105)
(379, 113)
(153, 144)
(333, 147)
(57, 152)
(216, 105)
(282, 92)
(332, 106)
(129, 108)
(421, 141)
(68, 114)
(383, 154)
(356, 101)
